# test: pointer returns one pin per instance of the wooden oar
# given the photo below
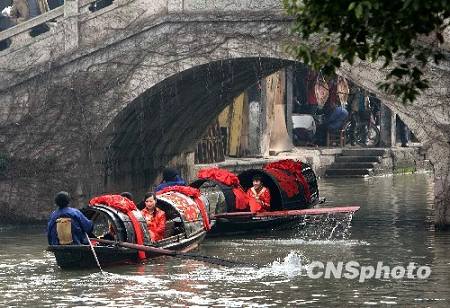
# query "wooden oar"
(172, 253)
(93, 252)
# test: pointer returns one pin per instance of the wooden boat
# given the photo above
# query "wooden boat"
(294, 194)
(183, 233)
(246, 222)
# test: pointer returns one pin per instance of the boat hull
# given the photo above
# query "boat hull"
(242, 225)
(247, 222)
(81, 257)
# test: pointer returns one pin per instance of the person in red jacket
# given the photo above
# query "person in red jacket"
(259, 196)
(155, 218)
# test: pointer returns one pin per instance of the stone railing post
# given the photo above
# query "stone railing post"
(175, 6)
(387, 124)
(72, 35)
(289, 99)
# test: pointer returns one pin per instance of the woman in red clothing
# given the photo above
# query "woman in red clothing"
(156, 218)
(259, 196)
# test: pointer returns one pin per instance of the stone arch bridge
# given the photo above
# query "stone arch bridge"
(104, 99)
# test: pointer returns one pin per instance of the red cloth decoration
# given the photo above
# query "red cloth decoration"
(241, 199)
(289, 179)
(287, 182)
(220, 175)
(259, 202)
(205, 217)
(185, 190)
(195, 194)
(230, 179)
(126, 206)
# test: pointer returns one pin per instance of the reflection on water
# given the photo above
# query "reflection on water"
(392, 226)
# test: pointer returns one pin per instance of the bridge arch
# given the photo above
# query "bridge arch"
(169, 118)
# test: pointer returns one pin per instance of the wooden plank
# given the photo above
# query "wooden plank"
(236, 126)
(243, 147)
(289, 99)
(269, 88)
(279, 138)
(224, 117)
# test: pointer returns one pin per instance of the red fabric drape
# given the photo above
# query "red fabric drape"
(230, 179)
(289, 179)
(286, 181)
(241, 199)
(310, 82)
(185, 190)
(205, 217)
(195, 194)
(220, 175)
(126, 206)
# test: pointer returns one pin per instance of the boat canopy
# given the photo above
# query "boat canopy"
(185, 208)
(292, 185)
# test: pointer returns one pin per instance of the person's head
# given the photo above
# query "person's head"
(169, 175)
(150, 201)
(257, 181)
(62, 199)
(127, 195)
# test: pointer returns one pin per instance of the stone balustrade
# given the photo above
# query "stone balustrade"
(19, 35)
(74, 11)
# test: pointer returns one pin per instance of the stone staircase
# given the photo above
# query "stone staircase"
(356, 163)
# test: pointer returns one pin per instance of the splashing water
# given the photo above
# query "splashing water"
(329, 226)
(291, 266)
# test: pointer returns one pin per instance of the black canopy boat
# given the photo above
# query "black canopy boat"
(185, 229)
(294, 196)
(217, 196)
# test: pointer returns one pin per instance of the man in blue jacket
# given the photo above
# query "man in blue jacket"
(170, 178)
(67, 225)
(336, 119)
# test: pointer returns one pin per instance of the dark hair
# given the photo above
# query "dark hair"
(257, 178)
(169, 174)
(127, 195)
(62, 199)
(149, 194)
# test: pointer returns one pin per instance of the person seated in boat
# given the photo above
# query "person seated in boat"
(67, 225)
(170, 178)
(155, 218)
(259, 196)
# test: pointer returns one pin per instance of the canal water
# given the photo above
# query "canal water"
(393, 227)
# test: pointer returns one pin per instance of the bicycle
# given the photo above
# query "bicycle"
(369, 138)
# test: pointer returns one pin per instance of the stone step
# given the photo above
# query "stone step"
(363, 152)
(353, 165)
(348, 172)
(365, 159)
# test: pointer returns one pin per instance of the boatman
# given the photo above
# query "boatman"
(67, 225)
(259, 196)
(155, 218)
(170, 178)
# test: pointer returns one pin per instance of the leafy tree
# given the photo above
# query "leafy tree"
(405, 34)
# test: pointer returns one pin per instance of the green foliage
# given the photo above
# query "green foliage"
(386, 30)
